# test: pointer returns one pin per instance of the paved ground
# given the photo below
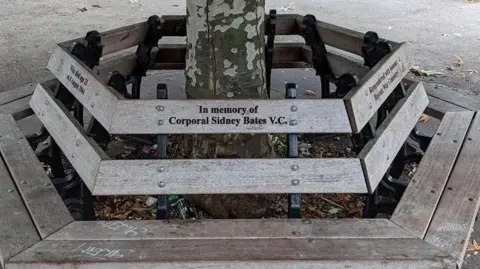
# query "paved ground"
(439, 30)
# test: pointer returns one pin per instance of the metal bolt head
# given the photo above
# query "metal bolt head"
(160, 108)
(294, 167)
(299, 255)
(293, 123)
(160, 169)
(24, 182)
(293, 108)
(161, 184)
(97, 92)
(306, 221)
(78, 143)
(311, 241)
(47, 184)
(92, 105)
(10, 191)
(295, 182)
(295, 233)
(73, 155)
(160, 122)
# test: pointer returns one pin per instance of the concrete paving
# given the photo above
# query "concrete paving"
(438, 30)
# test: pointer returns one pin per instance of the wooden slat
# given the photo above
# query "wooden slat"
(16, 94)
(19, 109)
(98, 99)
(131, 35)
(45, 206)
(279, 253)
(421, 197)
(230, 229)
(17, 231)
(438, 107)
(252, 116)
(125, 177)
(82, 152)
(453, 220)
(364, 100)
(378, 153)
(449, 94)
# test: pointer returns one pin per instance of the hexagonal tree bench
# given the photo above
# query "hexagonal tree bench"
(52, 240)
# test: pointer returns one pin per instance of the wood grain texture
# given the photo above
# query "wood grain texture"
(17, 231)
(19, 108)
(378, 153)
(418, 203)
(453, 220)
(16, 94)
(456, 96)
(45, 206)
(232, 229)
(364, 100)
(125, 177)
(254, 116)
(262, 253)
(86, 87)
(82, 152)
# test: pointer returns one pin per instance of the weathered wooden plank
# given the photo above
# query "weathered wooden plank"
(82, 152)
(438, 107)
(378, 153)
(16, 94)
(464, 99)
(125, 177)
(19, 109)
(453, 220)
(241, 253)
(363, 101)
(418, 203)
(98, 99)
(17, 231)
(230, 116)
(45, 206)
(231, 229)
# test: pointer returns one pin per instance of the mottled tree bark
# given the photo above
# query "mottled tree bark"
(225, 59)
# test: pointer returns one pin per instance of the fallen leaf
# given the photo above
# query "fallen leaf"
(459, 61)
(424, 73)
(423, 118)
(474, 246)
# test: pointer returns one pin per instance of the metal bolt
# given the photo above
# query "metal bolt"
(469, 139)
(299, 255)
(92, 105)
(161, 184)
(160, 108)
(294, 167)
(47, 184)
(295, 182)
(295, 233)
(97, 92)
(293, 122)
(73, 155)
(10, 190)
(306, 221)
(455, 141)
(293, 108)
(370, 106)
(311, 241)
(160, 169)
(160, 122)
(78, 143)
(388, 157)
(43, 113)
(229, 94)
(24, 182)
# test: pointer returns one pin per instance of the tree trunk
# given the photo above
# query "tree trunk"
(225, 59)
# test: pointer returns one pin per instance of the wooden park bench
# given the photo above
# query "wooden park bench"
(429, 229)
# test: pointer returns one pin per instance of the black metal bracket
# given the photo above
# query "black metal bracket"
(294, 199)
(319, 53)
(153, 35)
(271, 26)
(162, 146)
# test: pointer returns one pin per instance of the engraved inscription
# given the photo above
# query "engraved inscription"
(234, 116)
(77, 79)
(385, 80)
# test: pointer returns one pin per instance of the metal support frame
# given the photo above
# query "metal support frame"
(294, 199)
(162, 147)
